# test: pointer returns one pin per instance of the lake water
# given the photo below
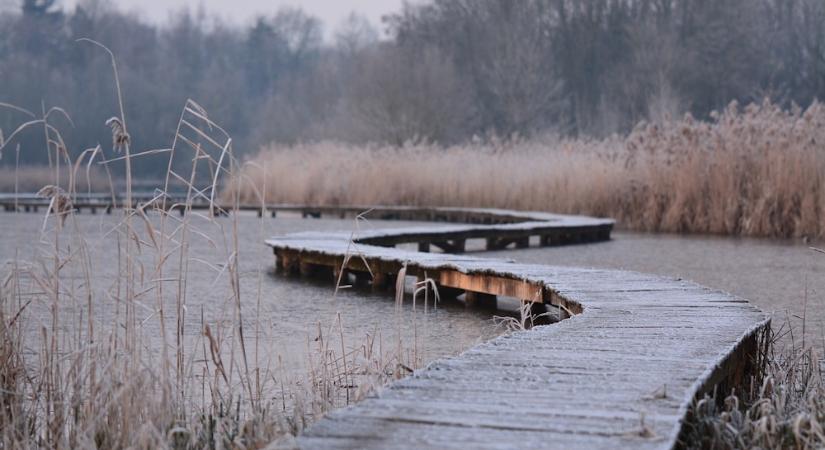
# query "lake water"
(782, 277)
(286, 312)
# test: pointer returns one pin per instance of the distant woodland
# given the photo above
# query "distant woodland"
(443, 72)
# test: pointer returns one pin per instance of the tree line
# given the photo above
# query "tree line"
(443, 71)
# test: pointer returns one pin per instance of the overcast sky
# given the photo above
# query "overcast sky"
(331, 12)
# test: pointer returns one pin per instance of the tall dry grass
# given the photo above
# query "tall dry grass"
(754, 171)
(94, 347)
(72, 377)
(784, 408)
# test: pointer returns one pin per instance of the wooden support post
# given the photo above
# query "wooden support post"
(492, 243)
(454, 246)
(306, 268)
(538, 313)
(289, 263)
(459, 245)
(361, 278)
(523, 242)
(480, 300)
(496, 243)
(337, 274)
(392, 281)
(273, 213)
(260, 212)
(380, 280)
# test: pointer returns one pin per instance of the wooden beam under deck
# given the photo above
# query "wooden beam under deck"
(308, 263)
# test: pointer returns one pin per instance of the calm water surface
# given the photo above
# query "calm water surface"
(782, 277)
(287, 318)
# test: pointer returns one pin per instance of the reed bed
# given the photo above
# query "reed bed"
(755, 170)
(783, 408)
(74, 377)
(96, 353)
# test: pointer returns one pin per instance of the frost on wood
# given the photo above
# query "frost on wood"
(620, 373)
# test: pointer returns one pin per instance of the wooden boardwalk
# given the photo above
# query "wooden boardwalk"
(31, 202)
(92, 203)
(621, 372)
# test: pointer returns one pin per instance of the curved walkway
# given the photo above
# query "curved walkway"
(621, 372)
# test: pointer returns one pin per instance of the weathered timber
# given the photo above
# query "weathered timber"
(620, 372)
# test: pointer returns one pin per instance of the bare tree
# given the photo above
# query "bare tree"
(355, 34)
(409, 95)
(447, 70)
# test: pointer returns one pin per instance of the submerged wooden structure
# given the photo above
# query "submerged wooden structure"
(620, 372)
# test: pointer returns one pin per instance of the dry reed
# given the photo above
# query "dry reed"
(81, 382)
(785, 408)
(72, 377)
(754, 171)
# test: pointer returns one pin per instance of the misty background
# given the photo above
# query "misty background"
(444, 71)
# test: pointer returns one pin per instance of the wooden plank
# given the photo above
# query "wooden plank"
(621, 372)
(504, 227)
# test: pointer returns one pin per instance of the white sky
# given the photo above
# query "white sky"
(331, 12)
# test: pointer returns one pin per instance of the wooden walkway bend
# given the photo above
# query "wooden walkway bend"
(621, 372)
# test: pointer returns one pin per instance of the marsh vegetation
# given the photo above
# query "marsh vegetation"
(102, 344)
(674, 116)
(753, 170)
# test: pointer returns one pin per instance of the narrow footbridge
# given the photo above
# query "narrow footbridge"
(620, 372)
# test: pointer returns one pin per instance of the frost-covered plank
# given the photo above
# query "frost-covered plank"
(620, 373)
